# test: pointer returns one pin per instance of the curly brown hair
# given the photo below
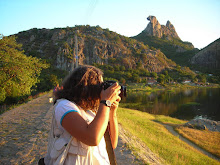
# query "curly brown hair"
(83, 86)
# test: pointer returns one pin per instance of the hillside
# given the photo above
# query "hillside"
(209, 57)
(95, 45)
(167, 40)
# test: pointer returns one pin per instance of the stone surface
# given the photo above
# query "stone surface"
(154, 27)
(204, 124)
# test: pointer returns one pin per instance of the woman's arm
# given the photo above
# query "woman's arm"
(113, 127)
(114, 122)
(92, 133)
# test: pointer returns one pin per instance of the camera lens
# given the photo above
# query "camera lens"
(109, 83)
(123, 92)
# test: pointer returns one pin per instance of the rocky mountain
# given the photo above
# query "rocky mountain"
(209, 56)
(167, 40)
(95, 45)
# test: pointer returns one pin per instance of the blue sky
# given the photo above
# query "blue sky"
(196, 21)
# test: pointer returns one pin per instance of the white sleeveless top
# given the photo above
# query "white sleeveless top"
(79, 153)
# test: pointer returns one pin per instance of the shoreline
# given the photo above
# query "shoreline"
(157, 87)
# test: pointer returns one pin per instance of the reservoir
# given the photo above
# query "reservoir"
(184, 104)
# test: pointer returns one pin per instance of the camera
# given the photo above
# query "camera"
(109, 83)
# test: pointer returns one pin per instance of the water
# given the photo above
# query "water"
(183, 104)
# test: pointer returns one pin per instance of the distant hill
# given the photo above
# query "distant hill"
(209, 57)
(167, 40)
(95, 45)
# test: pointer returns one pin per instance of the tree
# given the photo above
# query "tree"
(153, 74)
(166, 73)
(139, 65)
(202, 78)
(123, 81)
(161, 78)
(18, 72)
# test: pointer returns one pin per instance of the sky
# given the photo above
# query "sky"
(195, 21)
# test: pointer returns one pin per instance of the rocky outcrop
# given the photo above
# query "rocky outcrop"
(204, 124)
(155, 29)
(209, 56)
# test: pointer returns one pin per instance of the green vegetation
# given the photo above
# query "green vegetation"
(18, 72)
(158, 139)
(191, 104)
(48, 79)
(23, 75)
(142, 75)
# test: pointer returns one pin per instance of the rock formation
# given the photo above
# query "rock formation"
(209, 56)
(203, 124)
(155, 29)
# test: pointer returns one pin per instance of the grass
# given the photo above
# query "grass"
(207, 140)
(158, 139)
(191, 104)
(168, 120)
(170, 87)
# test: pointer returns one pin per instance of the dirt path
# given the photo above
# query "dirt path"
(172, 131)
(24, 131)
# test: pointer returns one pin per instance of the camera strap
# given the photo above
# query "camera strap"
(110, 150)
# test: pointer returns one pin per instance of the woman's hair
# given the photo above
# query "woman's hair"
(83, 86)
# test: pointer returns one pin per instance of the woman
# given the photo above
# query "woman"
(82, 111)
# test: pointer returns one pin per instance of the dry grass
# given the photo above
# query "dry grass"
(208, 140)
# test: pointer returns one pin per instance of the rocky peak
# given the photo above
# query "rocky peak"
(169, 25)
(171, 30)
(155, 29)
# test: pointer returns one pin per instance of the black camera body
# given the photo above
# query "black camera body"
(109, 83)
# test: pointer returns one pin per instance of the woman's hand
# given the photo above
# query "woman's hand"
(115, 104)
(112, 94)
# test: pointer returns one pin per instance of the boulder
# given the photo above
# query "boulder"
(204, 124)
